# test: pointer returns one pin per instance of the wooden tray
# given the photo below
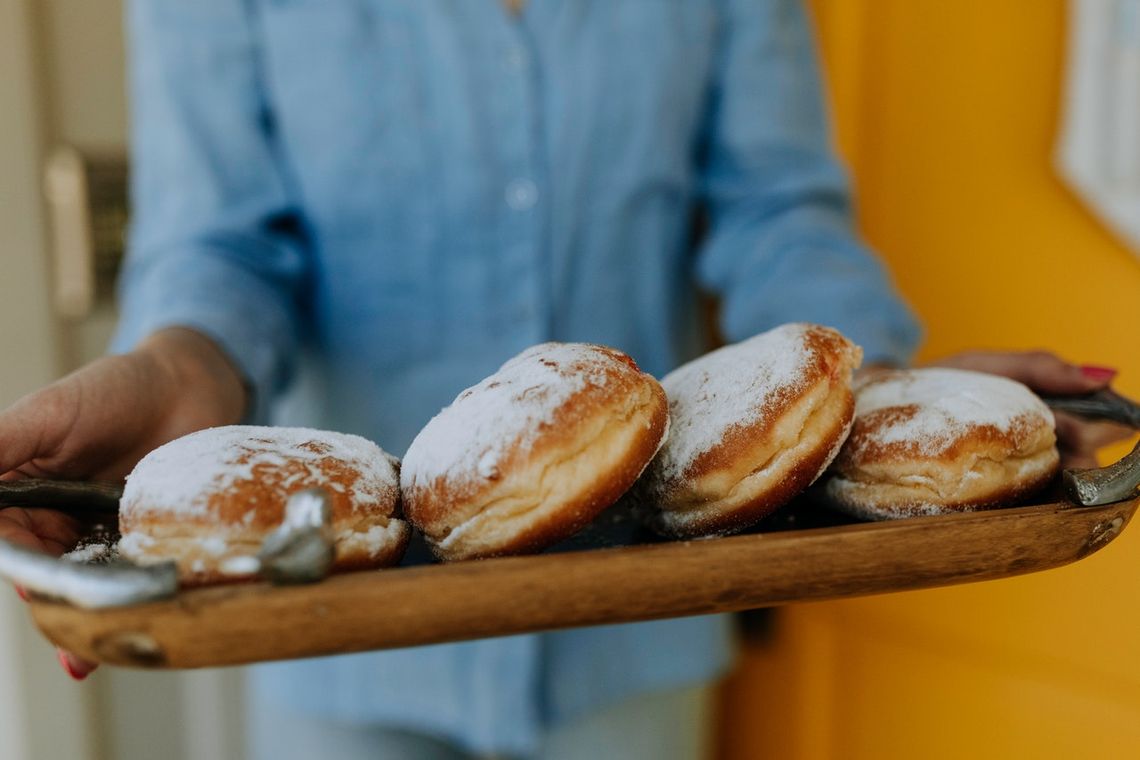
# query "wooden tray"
(436, 603)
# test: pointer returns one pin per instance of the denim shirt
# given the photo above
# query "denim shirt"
(371, 204)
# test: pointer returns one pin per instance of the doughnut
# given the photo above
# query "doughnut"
(208, 499)
(754, 424)
(534, 452)
(933, 441)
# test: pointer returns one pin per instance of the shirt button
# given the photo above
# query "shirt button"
(515, 59)
(521, 194)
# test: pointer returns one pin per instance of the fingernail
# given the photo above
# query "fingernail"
(69, 666)
(1100, 374)
(23, 594)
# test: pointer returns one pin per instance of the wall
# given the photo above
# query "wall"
(82, 61)
(947, 114)
(62, 82)
(41, 715)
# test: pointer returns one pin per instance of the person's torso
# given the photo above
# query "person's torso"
(474, 182)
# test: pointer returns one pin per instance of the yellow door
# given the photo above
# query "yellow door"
(947, 112)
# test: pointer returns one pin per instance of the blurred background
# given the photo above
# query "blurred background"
(1008, 220)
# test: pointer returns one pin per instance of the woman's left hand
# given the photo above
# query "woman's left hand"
(1047, 373)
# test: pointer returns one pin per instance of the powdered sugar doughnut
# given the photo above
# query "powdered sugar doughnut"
(208, 499)
(533, 453)
(929, 441)
(754, 424)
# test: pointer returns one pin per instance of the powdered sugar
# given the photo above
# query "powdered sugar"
(509, 409)
(91, 553)
(489, 464)
(180, 476)
(901, 511)
(236, 566)
(215, 545)
(134, 545)
(374, 541)
(726, 388)
(937, 406)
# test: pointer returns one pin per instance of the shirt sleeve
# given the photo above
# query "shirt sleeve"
(780, 245)
(215, 242)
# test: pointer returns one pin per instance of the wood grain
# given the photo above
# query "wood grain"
(467, 600)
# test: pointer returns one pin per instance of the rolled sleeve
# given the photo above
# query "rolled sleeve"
(781, 245)
(215, 241)
(227, 303)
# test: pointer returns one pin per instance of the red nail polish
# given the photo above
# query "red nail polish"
(65, 661)
(1100, 374)
(23, 594)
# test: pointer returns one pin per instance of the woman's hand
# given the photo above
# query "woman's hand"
(52, 533)
(96, 423)
(99, 421)
(1077, 439)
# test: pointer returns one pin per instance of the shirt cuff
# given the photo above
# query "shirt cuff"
(248, 318)
(849, 291)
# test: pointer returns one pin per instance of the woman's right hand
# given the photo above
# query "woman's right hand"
(96, 423)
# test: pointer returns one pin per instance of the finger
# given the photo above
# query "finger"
(75, 666)
(43, 529)
(1042, 371)
(14, 534)
(1074, 461)
(1103, 375)
(31, 427)
(1083, 436)
(1102, 433)
(1048, 373)
(869, 370)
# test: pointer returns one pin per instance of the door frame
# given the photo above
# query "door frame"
(42, 713)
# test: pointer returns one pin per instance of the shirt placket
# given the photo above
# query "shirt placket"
(525, 198)
(505, 672)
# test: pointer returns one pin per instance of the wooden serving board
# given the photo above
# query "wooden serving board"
(232, 625)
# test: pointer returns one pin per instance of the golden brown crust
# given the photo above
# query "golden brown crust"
(761, 464)
(550, 481)
(267, 487)
(870, 502)
(198, 565)
(935, 441)
(751, 502)
(831, 360)
(567, 509)
(237, 496)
